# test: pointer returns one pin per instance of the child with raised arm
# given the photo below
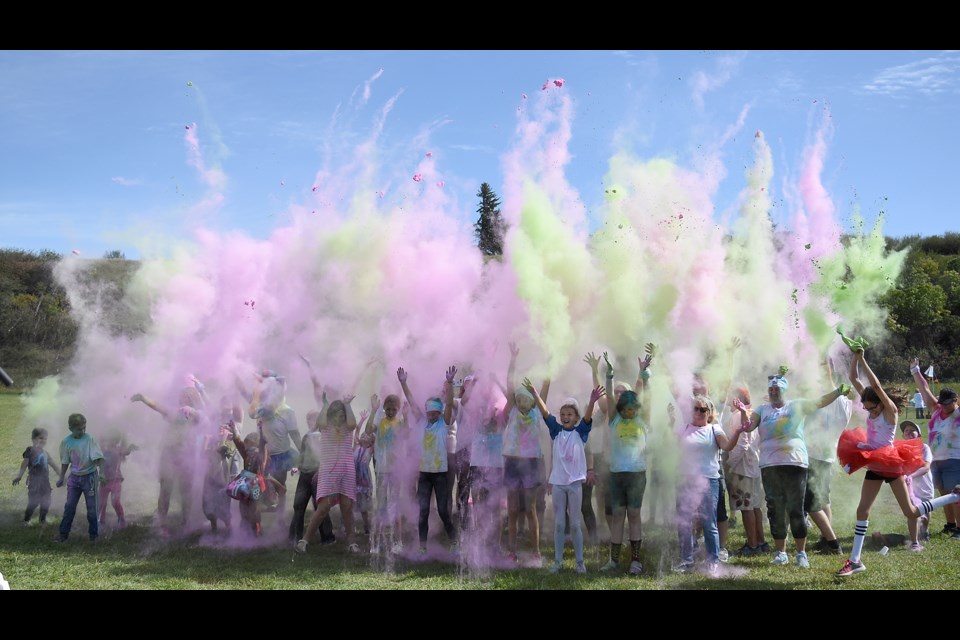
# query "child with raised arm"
(177, 452)
(277, 423)
(251, 484)
(521, 455)
(37, 463)
(943, 436)
(388, 431)
(362, 455)
(437, 423)
(82, 455)
(115, 451)
(887, 460)
(628, 423)
(337, 474)
(569, 469)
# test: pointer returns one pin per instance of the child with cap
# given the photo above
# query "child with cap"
(920, 483)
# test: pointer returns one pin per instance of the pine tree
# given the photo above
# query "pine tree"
(489, 227)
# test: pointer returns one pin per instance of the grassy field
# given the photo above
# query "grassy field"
(135, 559)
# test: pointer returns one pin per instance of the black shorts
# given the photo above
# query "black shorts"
(520, 473)
(876, 476)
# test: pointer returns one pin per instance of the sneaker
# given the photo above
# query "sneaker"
(820, 546)
(512, 557)
(122, 524)
(422, 551)
(397, 548)
(636, 568)
(353, 548)
(924, 529)
(747, 551)
(764, 547)
(832, 551)
(850, 568)
(780, 558)
(915, 546)
(713, 569)
(956, 535)
(331, 540)
(455, 548)
(580, 568)
(610, 566)
(802, 560)
(59, 538)
(536, 560)
(723, 555)
(555, 567)
(683, 567)
(949, 528)
(27, 523)
(375, 549)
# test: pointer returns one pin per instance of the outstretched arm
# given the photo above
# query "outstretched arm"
(595, 395)
(414, 407)
(928, 397)
(611, 399)
(511, 369)
(890, 410)
(642, 378)
(853, 374)
(448, 395)
(139, 397)
(23, 467)
(536, 397)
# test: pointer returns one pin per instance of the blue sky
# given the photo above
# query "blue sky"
(93, 155)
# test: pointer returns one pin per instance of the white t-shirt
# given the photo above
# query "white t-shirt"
(699, 447)
(743, 459)
(922, 486)
(569, 459)
(918, 400)
(781, 435)
(880, 433)
(944, 435)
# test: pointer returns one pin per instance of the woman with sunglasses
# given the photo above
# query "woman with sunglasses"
(886, 459)
(944, 440)
(699, 488)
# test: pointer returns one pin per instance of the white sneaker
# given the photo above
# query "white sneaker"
(397, 548)
(580, 568)
(802, 560)
(636, 568)
(780, 558)
(610, 566)
(301, 546)
(555, 567)
(353, 548)
(723, 555)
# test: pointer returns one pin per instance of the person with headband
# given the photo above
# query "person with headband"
(887, 460)
(436, 421)
(943, 436)
(783, 463)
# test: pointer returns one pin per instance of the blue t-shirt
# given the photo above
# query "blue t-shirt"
(554, 427)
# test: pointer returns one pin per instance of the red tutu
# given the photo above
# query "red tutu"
(903, 457)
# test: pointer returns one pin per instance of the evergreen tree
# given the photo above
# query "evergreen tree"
(489, 227)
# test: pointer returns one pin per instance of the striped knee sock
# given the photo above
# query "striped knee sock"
(928, 506)
(859, 534)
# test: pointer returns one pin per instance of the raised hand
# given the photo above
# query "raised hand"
(374, 403)
(305, 359)
(736, 343)
(451, 372)
(364, 414)
(137, 397)
(514, 350)
(592, 360)
(606, 358)
(529, 386)
(347, 399)
(597, 393)
(914, 364)
(645, 361)
(402, 375)
(843, 389)
(738, 405)
(650, 349)
(783, 370)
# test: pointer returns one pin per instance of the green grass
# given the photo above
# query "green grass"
(135, 559)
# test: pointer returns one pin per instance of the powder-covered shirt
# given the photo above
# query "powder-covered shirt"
(433, 455)
(699, 447)
(521, 436)
(823, 428)
(781, 435)
(880, 433)
(487, 447)
(569, 458)
(744, 458)
(921, 487)
(81, 454)
(277, 427)
(310, 448)
(387, 441)
(38, 471)
(627, 444)
(944, 435)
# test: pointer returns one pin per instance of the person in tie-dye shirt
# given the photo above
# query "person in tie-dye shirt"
(628, 422)
(437, 423)
(388, 431)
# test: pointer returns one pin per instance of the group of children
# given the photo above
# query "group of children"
(760, 454)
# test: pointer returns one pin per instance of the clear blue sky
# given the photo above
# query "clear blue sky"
(93, 142)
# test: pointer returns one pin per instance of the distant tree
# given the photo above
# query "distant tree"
(489, 227)
(115, 254)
